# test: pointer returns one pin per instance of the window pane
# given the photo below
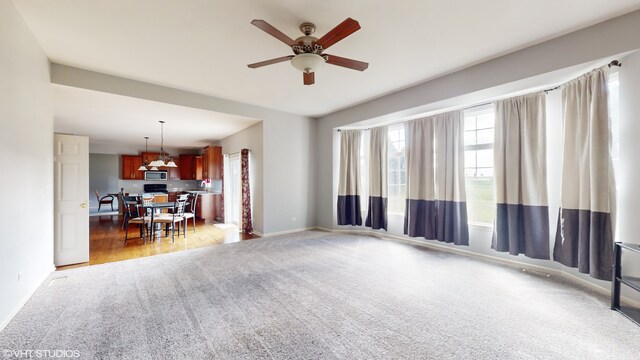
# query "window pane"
(396, 170)
(486, 121)
(484, 158)
(469, 172)
(479, 182)
(393, 163)
(485, 136)
(470, 159)
(470, 123)
(393, 177)
(484, 172)
(469, 138)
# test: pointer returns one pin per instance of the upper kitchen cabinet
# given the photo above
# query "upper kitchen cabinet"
(212, 163)
(174, 172)
(190, 167)
(130, 165)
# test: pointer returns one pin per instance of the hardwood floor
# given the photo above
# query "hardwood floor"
(106, 240)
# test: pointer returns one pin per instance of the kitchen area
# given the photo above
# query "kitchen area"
(197, 171)
(201, 174)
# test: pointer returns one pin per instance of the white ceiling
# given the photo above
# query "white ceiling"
(205, 45)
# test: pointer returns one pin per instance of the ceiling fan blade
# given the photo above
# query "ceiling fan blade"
(269, 62)
(309, 78)
(266, 27)
(338, 33)
(348, 63)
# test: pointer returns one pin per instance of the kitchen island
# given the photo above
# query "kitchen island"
(209, 206)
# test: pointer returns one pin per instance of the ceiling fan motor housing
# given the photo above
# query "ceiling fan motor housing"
(307, 28)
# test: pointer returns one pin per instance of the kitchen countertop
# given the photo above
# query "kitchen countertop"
(203, 192)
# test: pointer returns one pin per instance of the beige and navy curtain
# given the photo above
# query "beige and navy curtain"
(378, 153)
(435, 205)
(584, 237)
(349, 211)
(522, 216)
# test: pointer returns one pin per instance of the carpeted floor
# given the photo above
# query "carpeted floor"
(317, 295)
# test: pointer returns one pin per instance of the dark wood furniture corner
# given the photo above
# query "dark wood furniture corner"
(619, 278)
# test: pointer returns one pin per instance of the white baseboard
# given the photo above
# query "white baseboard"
(289, 231)
(17, 309)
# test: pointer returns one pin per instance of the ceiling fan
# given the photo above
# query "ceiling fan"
(308, 50)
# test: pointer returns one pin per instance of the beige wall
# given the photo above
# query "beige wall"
(26, 145)
(251, 138)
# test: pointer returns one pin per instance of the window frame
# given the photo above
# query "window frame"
(399, 185)
(476, 112)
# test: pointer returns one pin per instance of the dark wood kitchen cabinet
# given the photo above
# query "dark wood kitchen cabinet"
(205, 209)
(190, 167)
(130, 165)
(212, 163)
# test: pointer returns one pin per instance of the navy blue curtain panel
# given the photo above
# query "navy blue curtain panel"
(436, 207)
(349, 211)
(378, 154)
(584, 237)
(520, 168)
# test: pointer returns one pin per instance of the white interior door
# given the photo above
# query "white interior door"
(71, 203)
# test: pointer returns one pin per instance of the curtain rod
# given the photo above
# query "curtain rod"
(612, 63)
(546, 91)
(421, 115)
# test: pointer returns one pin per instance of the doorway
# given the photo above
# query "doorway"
(232, 189)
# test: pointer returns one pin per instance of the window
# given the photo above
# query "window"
(614, 117)
(479, 125)
(397, 181)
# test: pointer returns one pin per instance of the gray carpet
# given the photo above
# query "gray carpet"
(317, 295)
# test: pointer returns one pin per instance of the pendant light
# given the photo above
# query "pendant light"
(145, 164)
(163, 159)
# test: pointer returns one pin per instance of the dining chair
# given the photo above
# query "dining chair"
(147, 200)
(191, 214)
(127, 202)
(107, 199)
(170, 220)
(132, 217)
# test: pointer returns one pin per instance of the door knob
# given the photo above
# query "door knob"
(83, 205)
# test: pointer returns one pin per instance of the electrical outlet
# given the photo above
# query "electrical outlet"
(293, 219)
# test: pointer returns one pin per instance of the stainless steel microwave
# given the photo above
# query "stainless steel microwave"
(155, 175)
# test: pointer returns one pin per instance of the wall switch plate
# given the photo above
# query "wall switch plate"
(19, 276)
(293, 219)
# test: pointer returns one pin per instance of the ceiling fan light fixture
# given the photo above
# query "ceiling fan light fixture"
(307, 63)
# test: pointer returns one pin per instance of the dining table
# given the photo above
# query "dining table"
(158, 206)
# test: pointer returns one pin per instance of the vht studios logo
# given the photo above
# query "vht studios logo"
(41, 354)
